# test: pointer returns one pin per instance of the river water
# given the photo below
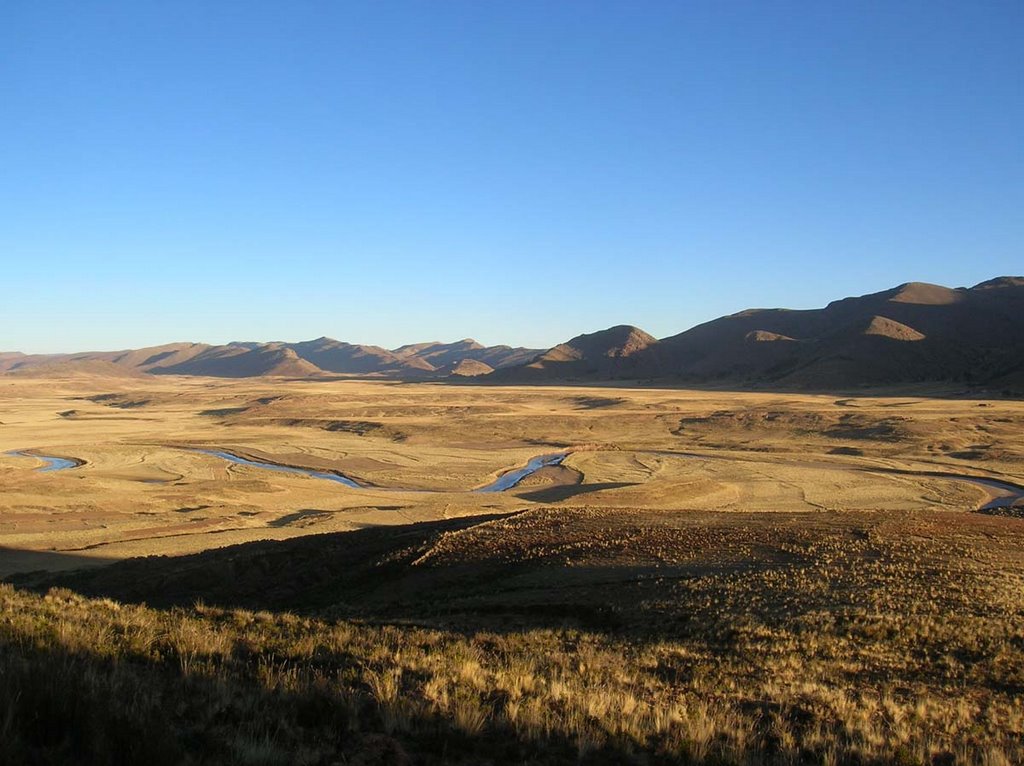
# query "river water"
(327, 475)
(506, 481)
(1006, 494)
(52, 463)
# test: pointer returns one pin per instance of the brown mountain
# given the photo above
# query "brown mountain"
(76, 367)
(914, 332)
(143, 359)
(441, 354)
(349, 358)
(610, 353)
(159, 356)
(11, 359)
(239, 361)
(247, 358)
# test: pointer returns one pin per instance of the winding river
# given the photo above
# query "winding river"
(509, 479)
(1005, 494)
(327, 475)
(52, 463)
(506, 481)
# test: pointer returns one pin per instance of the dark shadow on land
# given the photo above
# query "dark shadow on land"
(926, 390)
(305, 573)
(932, 389)
(298, 516)
(20, 561)
(611, 571)
(565, 491)
(379, 573)
(549, 568)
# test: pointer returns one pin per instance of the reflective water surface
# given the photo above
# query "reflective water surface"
(52, 463)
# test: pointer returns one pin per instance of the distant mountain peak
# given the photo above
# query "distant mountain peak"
(606, 353)
(1000, 282)
(924, 294)
(620, 340)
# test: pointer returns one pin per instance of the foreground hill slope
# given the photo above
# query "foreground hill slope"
(556, 635)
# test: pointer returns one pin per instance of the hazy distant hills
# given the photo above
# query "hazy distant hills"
(240, 359)
(912, 333)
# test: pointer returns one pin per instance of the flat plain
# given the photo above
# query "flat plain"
(145, 486)
(708, 576)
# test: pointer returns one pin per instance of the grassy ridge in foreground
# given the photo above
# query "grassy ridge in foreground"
(833, 638)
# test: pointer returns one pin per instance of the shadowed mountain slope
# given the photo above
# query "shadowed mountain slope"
(238, 361)
(337, 356)
(439, 354)
(442, 355)
(911, 333)
(606, 354)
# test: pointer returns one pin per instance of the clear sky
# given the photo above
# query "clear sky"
(519, 172)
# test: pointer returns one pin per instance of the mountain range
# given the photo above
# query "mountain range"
(915, 332)
(320, 357)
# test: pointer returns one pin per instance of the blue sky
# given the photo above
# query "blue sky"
(520, 172)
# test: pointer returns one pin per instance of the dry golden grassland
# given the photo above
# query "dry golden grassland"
(143, 491)
(710, 577)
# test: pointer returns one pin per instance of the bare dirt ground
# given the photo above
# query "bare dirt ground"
(421, 448)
